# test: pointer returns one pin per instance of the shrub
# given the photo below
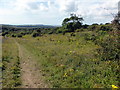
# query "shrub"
(35, 34)
(19, 35)
(109, 41)
(110, 49)
(4, 33)
(13, 35)
(105, 28)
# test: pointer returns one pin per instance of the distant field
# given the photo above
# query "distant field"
(64, 61)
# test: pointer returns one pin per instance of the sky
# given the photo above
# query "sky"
(53, 12)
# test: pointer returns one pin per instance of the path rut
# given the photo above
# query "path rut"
(30, 74)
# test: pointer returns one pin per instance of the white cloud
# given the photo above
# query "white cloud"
(94, 10)
(31, 5)
(98, 11)
(67, 5)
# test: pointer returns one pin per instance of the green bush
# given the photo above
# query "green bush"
(13, 35)
(105, 28)
(35, 34)
(19, 35)
(110, 48)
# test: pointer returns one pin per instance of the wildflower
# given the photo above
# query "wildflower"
(61, 65)
(113, 86)
(70, 51)
(71, 70)
(12, 67)
(65, 75)
(58, 41)
(77, 43)
(107, 62)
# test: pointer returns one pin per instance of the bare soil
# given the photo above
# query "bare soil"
(30, 75)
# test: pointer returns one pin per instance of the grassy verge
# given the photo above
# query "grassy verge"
(11, 68)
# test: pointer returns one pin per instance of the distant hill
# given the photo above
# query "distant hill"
(29, 26)
(34, 26)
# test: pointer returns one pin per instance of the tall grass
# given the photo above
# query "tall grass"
(11, 62)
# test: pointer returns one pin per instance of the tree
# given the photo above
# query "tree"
(72, 23)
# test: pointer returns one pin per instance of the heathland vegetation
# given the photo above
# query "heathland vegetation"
(75, 55)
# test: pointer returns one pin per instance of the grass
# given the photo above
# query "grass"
(11, 68)
(71, 61)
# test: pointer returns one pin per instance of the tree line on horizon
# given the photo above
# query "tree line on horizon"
(72, 24)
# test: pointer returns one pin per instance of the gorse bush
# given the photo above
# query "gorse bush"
(35, 34)
(110, 48)
(106, 27)
(110, 43)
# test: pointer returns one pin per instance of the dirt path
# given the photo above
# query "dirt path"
(30, 74)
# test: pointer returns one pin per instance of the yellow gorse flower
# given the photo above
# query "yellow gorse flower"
(70, 51)
(65, 75)
(61, 65)
(113, 86)
(71, 70)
